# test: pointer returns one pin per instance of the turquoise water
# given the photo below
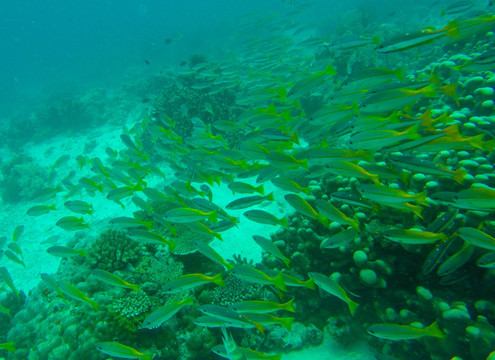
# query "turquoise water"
(247, 180)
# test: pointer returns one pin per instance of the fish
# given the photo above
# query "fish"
(457, 7)
(287, 184)
(233, 351)
(477, 238)
(340, 239)
(475, 198)
(262, 307)
(79, 207)
(18, 231)
(413, 236)
(120, 193)
(190, 281)
(91, 185)
(187, 215)
(244, 188)
(150, 237)
(424, 166)
(76, 294)
(53, 285)
(7, 279)
(113, 348)
(229, 317)
(128, 222)
(114, 280)
(72, 223)
(282, 160)
(388, 195)
(249, 201)
(487, 260)
(46, 194)
(253, 275)
(456, 260)
(373, 140)
(332, 213)
(270, 248)
(309, 83)
(304, 208)
(132, 146)
(279, 135)
(397, 332)
(263, 217)
(165, 312)
(13, 257)
(330, 286)
(211, 254)
(348, 169)
(64, 251)
(248, 353)
(269, 319)
(40, 210)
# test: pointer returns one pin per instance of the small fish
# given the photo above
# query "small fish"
(270, 248)
(76, 294)
(18, 231)
(40, 210)
(269, 319)
(7, 279)
(248, 201)
(457, 7)
(187, 215)
(278, 135)
(332, 287)
(150, 237)
(13, 257)
(285, 161)
(164, 313)
(348, 169)
(211, 254)
(243, 188)
(114, 280)
(251, 274)
(190, 281)
(287, 184)
(46, 194)
(456, 260)
(487, 260)
(264, 217)
(262, 307)
(53, 285)
(304, 208)
(65, 252)
(248, 353)
(385, 194)
(72, 223)
(309, 83)
(229, 317)
(477, 238)
(90, 185)
(404, 332)
(340, 239)
(476, 198)
(233, 351)
(79, 207)
(131, 146)
(334, 214)
(120, 193)
(16, 249)
(128, 222)
(113, 348)
(413, 236)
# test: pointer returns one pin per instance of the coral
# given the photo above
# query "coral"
(22, 178)
(235, 290)
(200, 342)
(300, 336)
(113, 250)
(132, 305)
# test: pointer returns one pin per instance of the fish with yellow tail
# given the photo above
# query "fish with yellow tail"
(397, 332)
(116, 349)
(330, 286)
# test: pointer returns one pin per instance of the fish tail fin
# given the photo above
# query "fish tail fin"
(135, 287)
(412, 132)
(352, 306)
(270, 197)
(289, 306)
(260, 189)
(284, 222)
(434, 330)
(94, 305)
(217, 279)
(259, 327)
(477, 141)
(188, 301)
(295, 138)
(286, 261)
(279, 282)
(212, 216)
(459, 176)
(329, 70)
(310, 284)
(417, 210)
(171, 245)
(286, 322)
(452, 29)
(82, 252)
(421, 198)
